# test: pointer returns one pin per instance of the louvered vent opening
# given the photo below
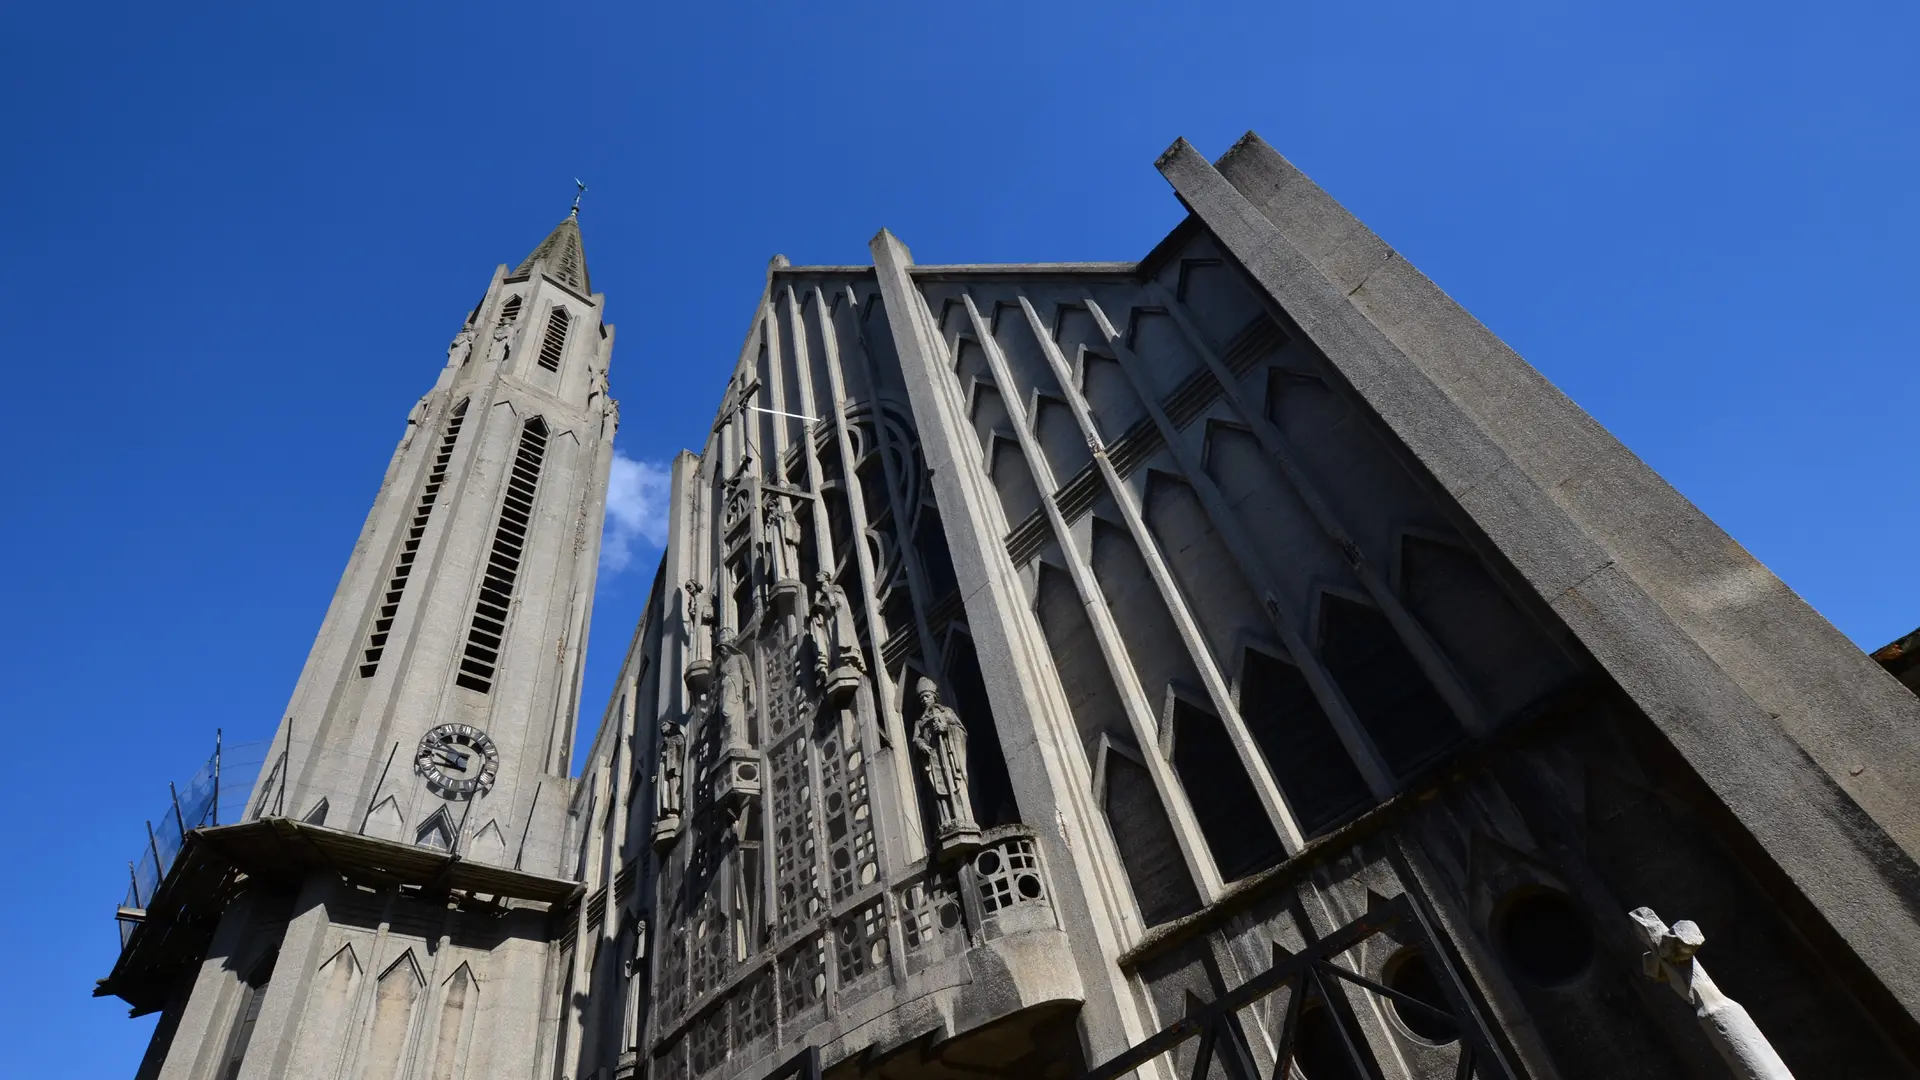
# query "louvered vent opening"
(510, 310)
(555, 344)
(503, 562)
(410, 549)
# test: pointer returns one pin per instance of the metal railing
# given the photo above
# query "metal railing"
(1312, 978)
(217, 793)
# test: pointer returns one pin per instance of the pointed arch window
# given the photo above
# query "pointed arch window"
(254, 996)
(510, 311)
(554, 345)
(436, 832)
(410, 547)
(489, 625)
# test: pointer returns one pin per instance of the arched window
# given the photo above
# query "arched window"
(410, 548)
(489, 626)
(554, 345)
(510, 311)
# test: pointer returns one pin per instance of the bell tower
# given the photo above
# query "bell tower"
(401, 856)
(442, 691)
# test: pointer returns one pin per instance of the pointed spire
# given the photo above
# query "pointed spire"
(565, 253)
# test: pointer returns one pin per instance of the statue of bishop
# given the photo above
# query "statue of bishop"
(941, 736)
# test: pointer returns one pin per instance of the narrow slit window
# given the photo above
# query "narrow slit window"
(482, 654)
(554, 345)
(410, 548)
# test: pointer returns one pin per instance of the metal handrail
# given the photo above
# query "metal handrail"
(1306, 974)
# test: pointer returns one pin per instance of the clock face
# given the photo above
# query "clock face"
(458, 761)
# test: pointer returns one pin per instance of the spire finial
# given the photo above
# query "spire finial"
(577, 182)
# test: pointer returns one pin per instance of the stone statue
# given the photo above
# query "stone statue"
(697, 612)
(782, 541)
(730, 695)
(673, 760)
(501, 333)
(1725, 1022)
(943, 739)
(836, 641)
(461, 350)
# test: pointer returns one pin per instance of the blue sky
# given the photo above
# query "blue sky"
(237, 238)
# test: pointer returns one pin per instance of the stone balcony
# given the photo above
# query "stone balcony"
(928, 964)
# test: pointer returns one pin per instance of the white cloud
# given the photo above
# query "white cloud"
(637, 493)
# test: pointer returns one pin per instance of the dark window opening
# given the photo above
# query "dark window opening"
(1320, 1047)
(554, 345)
(966, 691)
(1149, 851)
(1545, 939)
(1410, 972)
(1308, 760)
(249, 1016)
(1505, 658)
(1383, 682)
(503, 561)
(1224, 802)
(416, 528)
(936, 564)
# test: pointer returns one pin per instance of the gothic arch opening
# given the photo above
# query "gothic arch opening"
(1308, 760)
(1383, 682)
(1144, 837)
(1224, 802)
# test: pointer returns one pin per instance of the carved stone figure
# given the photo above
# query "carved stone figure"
(498, 350)
(782, 542)
(731, 677)
(673, 761)
(837, 658)
(462, 348)
(699, 670)
(943, 739)
(697, 610)
(1727, 1025)
(667, 783)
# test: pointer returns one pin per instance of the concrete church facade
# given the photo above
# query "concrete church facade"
(1232, 663)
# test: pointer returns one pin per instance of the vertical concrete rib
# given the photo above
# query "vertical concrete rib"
(1759, 688)
(1272, 800)
(1140, 713)
(914, 847)
(1432, 661)
(1286, 623)
(1030, 718)
(895, 792)
(923, 598)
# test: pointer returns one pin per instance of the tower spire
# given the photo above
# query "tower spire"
(564, 252)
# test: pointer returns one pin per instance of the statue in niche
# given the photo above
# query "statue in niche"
(730, 695)
(782, 542)
(736, 775)
(699, 613)
(941, 736)
(461, 350)
(667, 784)
(837, 659)
(698, 610)
(498, 350)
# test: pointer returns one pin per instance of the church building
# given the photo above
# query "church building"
(1235, 663)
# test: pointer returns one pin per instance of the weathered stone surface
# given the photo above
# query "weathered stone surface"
(1040, 653)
